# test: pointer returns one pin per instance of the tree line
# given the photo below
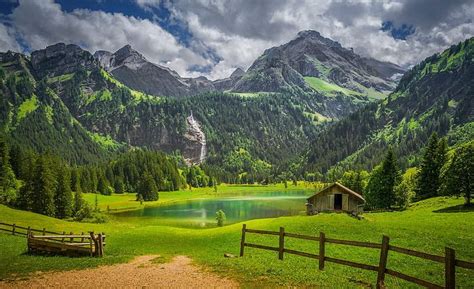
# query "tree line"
(46, 184)
(440, 173)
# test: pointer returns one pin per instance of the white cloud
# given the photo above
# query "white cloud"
(95, 30)
(238, 31)
(7, 39)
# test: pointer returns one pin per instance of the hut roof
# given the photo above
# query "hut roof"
(343, 188)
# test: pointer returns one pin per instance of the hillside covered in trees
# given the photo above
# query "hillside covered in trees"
(434, 96)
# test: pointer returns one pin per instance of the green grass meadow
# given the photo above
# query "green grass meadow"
(427, 226)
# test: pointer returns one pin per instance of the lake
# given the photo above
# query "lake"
(202, 212)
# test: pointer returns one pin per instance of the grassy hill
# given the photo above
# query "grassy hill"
(426, 226)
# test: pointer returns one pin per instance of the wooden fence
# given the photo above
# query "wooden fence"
(54, 242)
(449, 259)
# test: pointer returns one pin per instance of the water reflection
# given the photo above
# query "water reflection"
(202, 212)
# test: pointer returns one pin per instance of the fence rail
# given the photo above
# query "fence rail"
(55, 242)
(449, 259)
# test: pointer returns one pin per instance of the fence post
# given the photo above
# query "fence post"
(44, 231)
(71, 239)
(101, 251)
(449, 268)
(242, 240)
(90, 242)
(13, 229)
(282, 243)
(82, 239)
(28, 231)
(64, 233)
(322, 240)
(382, 262)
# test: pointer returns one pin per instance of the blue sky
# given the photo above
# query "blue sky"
(214, 37)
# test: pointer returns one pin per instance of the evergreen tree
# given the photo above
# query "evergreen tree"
(430, 168)
(44, 187)
(63, 198)
(75, 181)
(459, 177)
(78, 202)
(384, 178)
(7, 176)
(148, 189)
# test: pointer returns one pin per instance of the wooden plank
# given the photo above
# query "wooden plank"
(450, 268)
(412, 279)
(261, 247)
(60, 236)
(264, 232)
(354, 243)
(418, 254)
(281, 243)
(304, 237)
(6, 230)
(242, 240)
(322, 238)
(464, 264)
(382, 263)
(303, 254)
(352, 264)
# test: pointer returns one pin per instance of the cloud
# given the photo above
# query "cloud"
(96, 30)
(7, 39)
(227, 34)
(240, 30)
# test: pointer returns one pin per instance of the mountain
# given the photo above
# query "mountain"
(312, 62)
(62, 100)
(228, 83)
(134, 70)
(434, 96)
(34, 116)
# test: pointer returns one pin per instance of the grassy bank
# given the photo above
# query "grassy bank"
(427, 226)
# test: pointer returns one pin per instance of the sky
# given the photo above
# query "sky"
(214, 37)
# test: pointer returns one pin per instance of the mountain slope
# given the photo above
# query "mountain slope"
(33, 115)
(251, 135)
(434, 96)
(134, 70)
(311, 62)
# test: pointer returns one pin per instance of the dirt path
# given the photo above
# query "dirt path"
(140, 273)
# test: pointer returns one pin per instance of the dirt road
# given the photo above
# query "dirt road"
(140, 273)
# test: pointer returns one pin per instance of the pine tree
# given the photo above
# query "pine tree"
(7, 176)
(459, 177)
(430, 168)
(78, 202)
(148, 188)
(43, 187)
(63, 198)
(384, 178)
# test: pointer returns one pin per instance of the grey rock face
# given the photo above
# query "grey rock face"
(228, 83)
(135, 71)
(61, 59)
(311, 54)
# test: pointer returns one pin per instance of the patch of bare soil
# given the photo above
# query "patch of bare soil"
(140, 273)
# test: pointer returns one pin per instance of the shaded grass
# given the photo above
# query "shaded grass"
(418, 228)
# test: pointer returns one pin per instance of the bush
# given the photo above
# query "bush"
(220, 217)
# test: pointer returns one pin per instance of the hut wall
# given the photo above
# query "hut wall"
(325, 201)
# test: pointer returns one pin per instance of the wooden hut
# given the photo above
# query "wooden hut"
(336, 197)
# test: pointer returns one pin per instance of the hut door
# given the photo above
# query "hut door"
(345, 202)
(337, 201)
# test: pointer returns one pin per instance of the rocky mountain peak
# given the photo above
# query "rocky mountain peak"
(59, 59)
(314, 36)
(237, 73)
